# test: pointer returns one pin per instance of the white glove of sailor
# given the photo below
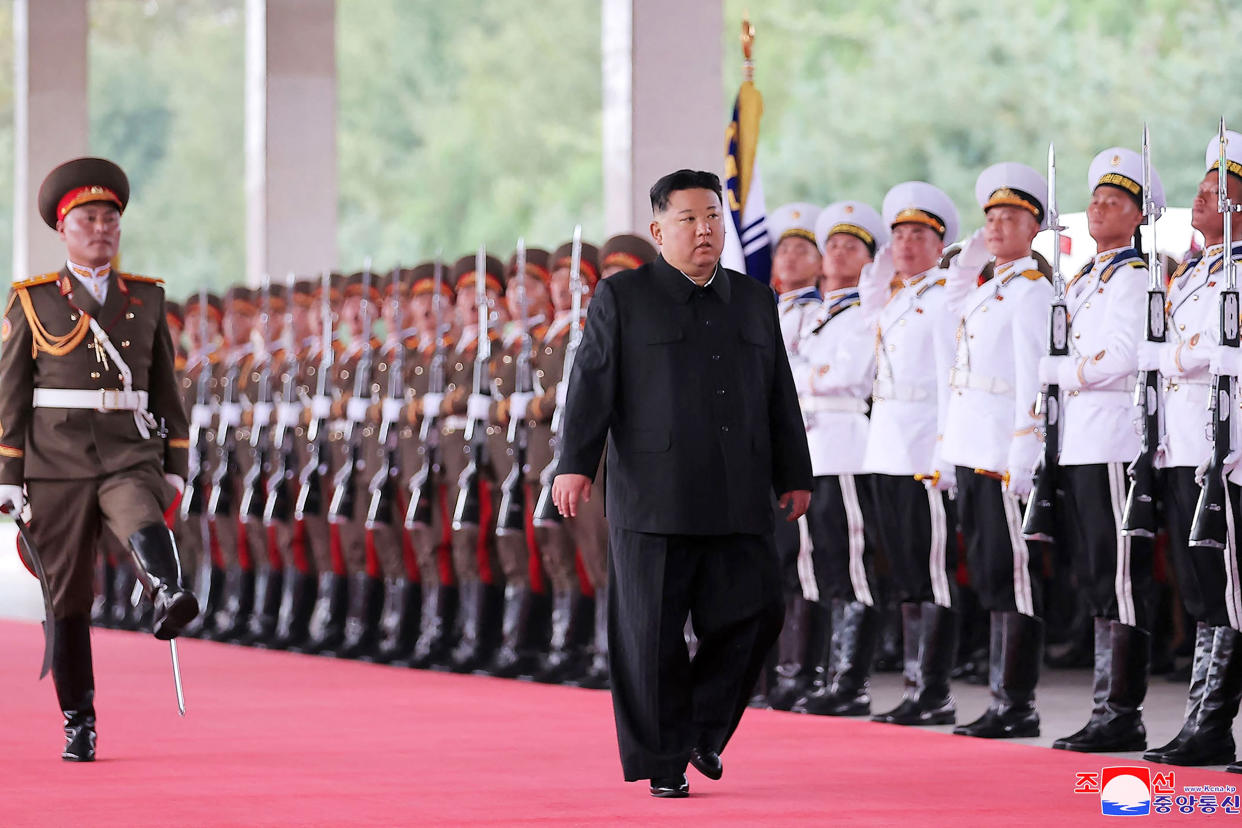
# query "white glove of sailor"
(974, 254)
(1021, 481)
(1150, 355)
(12, 499)
(1060, 371)
(881, 271)
(1226, 361)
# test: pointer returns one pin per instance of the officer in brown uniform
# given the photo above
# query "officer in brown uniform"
(426, 377)
(625, 251)
(523, 626)
(200, 385)
(353, 437)
(572, 611)
(474, 551)
(232, 463)
(91, 426)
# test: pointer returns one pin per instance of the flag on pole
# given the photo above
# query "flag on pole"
(747, 247)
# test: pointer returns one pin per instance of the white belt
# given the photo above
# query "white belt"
(456, 422)
(884, 389)
(1125, 398)
(813, 405)
(960, 378)
(1172, 384)
(104, 399)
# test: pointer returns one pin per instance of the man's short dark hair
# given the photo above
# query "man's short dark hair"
(683, 180)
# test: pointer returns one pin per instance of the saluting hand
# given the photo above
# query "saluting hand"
(796, 502)
(566, 489)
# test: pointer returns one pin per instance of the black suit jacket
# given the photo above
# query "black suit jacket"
(691, 389)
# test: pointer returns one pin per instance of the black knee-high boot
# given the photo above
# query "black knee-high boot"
(1204, 636)
(173, 605)
(73, 674)
(1013, 672)
(1116, 724)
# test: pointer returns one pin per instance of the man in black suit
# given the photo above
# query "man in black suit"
(683, 373)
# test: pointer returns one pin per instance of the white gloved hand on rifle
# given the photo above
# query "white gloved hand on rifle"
(12, 499)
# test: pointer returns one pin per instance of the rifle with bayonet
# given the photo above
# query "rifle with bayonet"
(280, 492)
(512, 512)
(546, 513)
(195, 498)
(254, 484)
(1039, 522)
(426, 480)
(311, 500)
(466, 513)
(1139, 518)
(345, 481)
(386, 483)
(223, 496)
(1210, 525)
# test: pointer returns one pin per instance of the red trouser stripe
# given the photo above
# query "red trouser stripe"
(301, 561)
(273, 549)
(485, 522)
(444, 552)
(373, 567)
(334, 548)
(243, 547)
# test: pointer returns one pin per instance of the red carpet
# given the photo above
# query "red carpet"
(281, 739)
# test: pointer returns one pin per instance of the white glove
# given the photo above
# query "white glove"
(356, 409)
(12, 499)
(881, 271)
(974, 254)
(519, 402)
(176, 481)
(1149, 355)
(1020, 483)
(944, 479)
(431, 404)
(1058, 370)
(1226, 361)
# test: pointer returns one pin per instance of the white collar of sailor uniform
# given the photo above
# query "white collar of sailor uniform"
(1209, 253)
(905, 282)
(810, 293)
(1016, 266)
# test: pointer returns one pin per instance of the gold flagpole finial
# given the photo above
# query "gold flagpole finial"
(748, 42)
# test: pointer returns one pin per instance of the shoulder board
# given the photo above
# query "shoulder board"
(1033, 275)
(134, 277)
(36, 280)
(928, 286)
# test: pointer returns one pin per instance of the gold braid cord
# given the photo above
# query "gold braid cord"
(41, 340)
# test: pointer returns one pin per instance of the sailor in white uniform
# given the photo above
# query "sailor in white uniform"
(1107, 301)
(1208, 579)
(834, 371)
(990, 432)
(902, 296)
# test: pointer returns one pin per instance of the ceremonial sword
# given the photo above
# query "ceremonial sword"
(30, 555)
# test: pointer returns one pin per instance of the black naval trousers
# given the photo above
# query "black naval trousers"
(1114, 571)
(666, 703)
(916, 530)
(1206, 578)
(1004, 568)
(841, 546)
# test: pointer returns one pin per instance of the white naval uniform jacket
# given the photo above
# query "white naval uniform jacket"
(913, 352)
(1002, 331)
(1194, 331)
(834, 370)
(795, 309)
(1107, 304)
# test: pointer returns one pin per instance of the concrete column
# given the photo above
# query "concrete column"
(663, 99)
(290, 137)
(49, 118)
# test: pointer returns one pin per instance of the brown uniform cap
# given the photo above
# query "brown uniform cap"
(537, 265)
(463, 274)
(627, 251)
(215, 307)
(590, 260)
(423, 280)
(81, 181)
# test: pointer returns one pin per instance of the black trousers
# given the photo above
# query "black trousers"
(843, 552)
(1004, 568)
(917, 530)
(1203, 575)
(1114, 572)
(665, 704)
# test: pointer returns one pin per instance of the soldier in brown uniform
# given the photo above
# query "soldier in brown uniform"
(353, 437)
(433, 320)
(289, 453)
(199, 395)
(327, 624)
(474, 551)
(523, 626)
(572, 610)
(91, 425)
(232, 462)
(393, 451)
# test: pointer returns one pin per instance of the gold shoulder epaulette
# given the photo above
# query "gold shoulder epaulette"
(1109, 272)
(1033, 275)
(134, 277)
(37, 280)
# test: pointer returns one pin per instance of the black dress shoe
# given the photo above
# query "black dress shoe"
(996, 724)
(79, 737)
(670, 787)
(707, 762)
